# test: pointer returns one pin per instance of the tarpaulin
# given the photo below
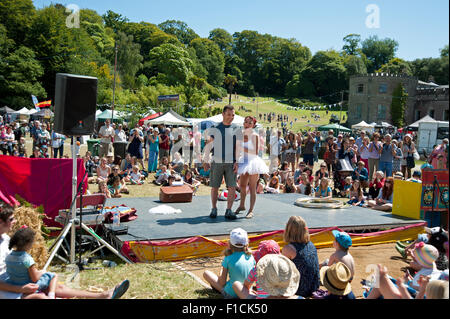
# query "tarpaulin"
(39, 181)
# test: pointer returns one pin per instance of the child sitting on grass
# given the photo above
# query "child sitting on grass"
(345, 192)
(203, 174)
(162, 176)
(342, 243)
(114, 185)
(237, 264)
(189, 180)
(103, 189)
(356, 195)
(21, 267)
(136, 178)
(324, 190)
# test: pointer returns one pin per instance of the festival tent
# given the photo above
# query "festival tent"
(238, 120)
(426, 119)
(6, 109)
(362, 126)
(150, 117)
(169, 118)
(108, 114)
(335, 127)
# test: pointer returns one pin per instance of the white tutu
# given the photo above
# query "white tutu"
(252, 164)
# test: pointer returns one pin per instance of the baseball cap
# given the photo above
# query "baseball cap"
(238, 237)
(342, 238)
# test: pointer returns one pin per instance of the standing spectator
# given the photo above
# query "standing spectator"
(299, 139)
(331, 150)
(153, 150)
(397, 160)
(9, 141)
(291, 150)
(120, 135)
(317, 146)
(359, 141)
(374, 154)
(274, 150)
(106, 134)
(303, 253)
(364, 153)
(57, 144)
(387, 155)
(135, 147)
(439, 150)
(408, 156)
(164, 144)
(308, 152)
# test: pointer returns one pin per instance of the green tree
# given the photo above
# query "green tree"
(223, 39)
(179, 29)
(327, 74)
(378, 52)
(396, 66)
(398, 106)
(211, 58)
(115, 21)
(230, 81)
(351, 44)
(17, 17)
(129, 59)
(170, 64)
(20, 73)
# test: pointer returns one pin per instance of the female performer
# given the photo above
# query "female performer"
(250, 165)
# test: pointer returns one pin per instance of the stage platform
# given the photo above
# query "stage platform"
(272, 212)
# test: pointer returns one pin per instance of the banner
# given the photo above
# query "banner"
(39, 181)
(439, 191)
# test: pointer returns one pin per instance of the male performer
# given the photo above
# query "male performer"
(222, 142)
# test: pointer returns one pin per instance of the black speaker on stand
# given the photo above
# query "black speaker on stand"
(75, 107)
(75, 104)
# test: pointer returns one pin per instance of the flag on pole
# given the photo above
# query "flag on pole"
(44, 104)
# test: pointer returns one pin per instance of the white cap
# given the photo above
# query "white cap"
(238, 237)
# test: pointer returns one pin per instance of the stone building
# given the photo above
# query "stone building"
(370, 98)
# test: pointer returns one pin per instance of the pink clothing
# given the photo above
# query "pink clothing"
(440, 149)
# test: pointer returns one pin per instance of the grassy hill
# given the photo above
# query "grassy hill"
(262, 105)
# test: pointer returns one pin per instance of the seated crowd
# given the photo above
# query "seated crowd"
(295, 272)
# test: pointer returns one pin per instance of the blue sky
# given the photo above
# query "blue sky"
(420, 27)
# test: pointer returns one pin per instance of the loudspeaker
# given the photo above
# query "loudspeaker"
(75, 104)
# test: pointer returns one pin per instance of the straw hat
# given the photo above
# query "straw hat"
(336, 279)
(425, 254)
(277, 275)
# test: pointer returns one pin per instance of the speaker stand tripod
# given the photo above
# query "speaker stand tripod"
(74, 222)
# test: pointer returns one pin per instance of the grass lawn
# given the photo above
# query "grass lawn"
(269, 104)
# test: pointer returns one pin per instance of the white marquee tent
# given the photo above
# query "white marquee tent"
(363, 126)
(169, 118)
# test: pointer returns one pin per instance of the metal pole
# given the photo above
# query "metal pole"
(114, 85)
(74, 207)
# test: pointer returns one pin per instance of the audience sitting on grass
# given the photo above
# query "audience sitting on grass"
(244, 290)
(344, 191)
(188, 179)
(136, 178)
(360, 173)
(305, 186)
(203, 174)
(236, 265)
(323, 191)
(376, 185)
(356, 195)
(416, 177)
(162, 175)
(384, 199)
(298, 172)
(114, 186)
(290, 187)
(115, 171)
(103, 170)
(321, 173)
(303, 253)
(341, 243)
(103, 189)
(273, 186)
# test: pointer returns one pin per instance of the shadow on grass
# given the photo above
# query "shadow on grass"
(208, 293)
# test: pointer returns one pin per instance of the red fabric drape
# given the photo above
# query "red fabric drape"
(46, 182)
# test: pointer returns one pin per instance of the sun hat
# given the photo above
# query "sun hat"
(342, 238)
(336, 279)
(277, 275)
(425, 255)
(238, 237)
(266, 247)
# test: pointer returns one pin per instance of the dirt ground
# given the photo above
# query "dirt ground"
(366, 257)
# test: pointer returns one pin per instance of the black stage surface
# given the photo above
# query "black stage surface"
(272, 211)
